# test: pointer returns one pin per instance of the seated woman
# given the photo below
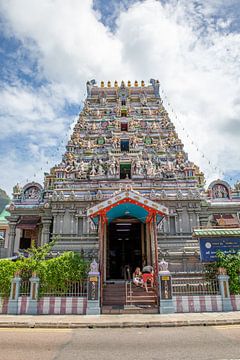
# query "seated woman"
(147, 275)
(137, 277)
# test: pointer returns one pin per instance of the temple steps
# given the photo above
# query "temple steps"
(114, 294)
(139, 301)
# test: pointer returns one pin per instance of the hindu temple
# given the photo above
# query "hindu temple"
(125, 191)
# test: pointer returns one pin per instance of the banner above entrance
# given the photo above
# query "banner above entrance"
(128, 204)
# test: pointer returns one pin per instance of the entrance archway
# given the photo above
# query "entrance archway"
(126, 205)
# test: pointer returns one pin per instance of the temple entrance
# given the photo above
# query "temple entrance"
(127, 230)
(124, 247)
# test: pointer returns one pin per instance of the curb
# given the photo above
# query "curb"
(98, 325)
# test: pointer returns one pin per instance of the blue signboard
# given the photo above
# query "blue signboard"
(209, 247)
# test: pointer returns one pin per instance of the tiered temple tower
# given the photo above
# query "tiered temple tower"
(124, 134)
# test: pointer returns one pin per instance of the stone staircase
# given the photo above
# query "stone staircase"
(137, 301)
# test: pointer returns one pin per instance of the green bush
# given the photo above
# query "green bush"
(53, 272)
(7, 270)
(231, 263)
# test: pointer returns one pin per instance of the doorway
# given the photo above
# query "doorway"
(125, 171)
(124, 247)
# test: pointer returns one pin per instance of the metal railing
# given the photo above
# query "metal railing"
(25, 288)
(69, 289)
(194, 286)
(128, 292)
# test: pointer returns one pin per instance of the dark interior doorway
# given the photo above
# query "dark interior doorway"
(124, 144)
(125, 171)
(124, 248)
(124, 126)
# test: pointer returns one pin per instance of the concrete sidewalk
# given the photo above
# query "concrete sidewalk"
(119, 321)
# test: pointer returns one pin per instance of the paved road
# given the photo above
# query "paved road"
(215, 343)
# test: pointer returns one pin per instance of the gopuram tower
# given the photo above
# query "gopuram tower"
(123, 140)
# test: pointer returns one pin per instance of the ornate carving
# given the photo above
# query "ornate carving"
(94, 266)
(163, 265)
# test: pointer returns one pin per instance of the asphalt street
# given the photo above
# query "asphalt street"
(215, 343)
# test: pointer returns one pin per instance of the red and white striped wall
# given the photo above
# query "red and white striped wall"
(62, 305)
(49, 305)
(78, 305)
(3, 305)
(235, 301)
(191, 304)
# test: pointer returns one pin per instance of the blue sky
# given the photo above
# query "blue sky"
(50, 48)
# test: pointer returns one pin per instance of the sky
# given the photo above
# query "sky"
(50, 48)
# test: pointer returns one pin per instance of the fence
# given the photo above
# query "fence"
(25, 288)
(194, 286)
(69, 289)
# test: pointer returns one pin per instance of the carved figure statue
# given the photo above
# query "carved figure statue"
(94, 267)
(155, 85)
(112, 167)
(115, 142)
(93, 170)
(163, 265)
(134, 141)
(237, 185)
(100, 170)
(90, 84)
(150, 170)
(143, 99)
(32, 193)
(138, 167)
(220, 191)
(17, 189)
(88, 144)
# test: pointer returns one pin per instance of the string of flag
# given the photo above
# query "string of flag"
(168, 105)
(56, 153)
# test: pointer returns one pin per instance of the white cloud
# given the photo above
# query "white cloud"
(195, 58)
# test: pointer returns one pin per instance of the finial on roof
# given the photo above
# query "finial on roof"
(122, 84)
(109, 83)
(115, 83)
(142, 83)
(129, 83)
(136, 83)
(102, 83)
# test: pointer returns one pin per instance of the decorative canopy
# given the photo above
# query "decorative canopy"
(28, 222)
(127, 204)
(216, 232)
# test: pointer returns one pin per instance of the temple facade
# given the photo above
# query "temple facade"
(125, 191)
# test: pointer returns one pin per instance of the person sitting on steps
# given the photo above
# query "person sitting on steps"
(137, 277)
(147, 275)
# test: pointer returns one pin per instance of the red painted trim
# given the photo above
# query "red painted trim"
(130, 201)
(74, 305)
(202, 301)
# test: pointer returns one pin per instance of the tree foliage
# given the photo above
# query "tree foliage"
(53, 272)
(231, 263)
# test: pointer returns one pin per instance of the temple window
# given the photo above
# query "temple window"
(123, 102)
(172, 225)
(124, 145)
(124, 126)
(2, 238)
(125, 171)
